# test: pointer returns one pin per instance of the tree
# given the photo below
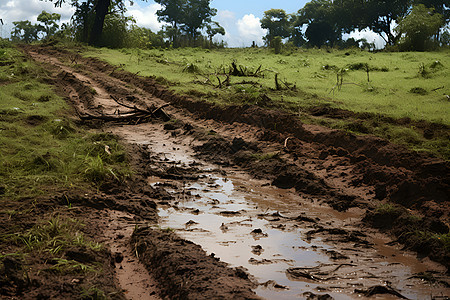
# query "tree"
(49, 20)
(100, 9)
(445, 38)
(83, 20)
(417, 28)
(188, 16)
(276, 21)
(213, 29)
(321, 21)
(171, 13)
(25, 31)
(380, 16)
(197, 15)
(441, 7)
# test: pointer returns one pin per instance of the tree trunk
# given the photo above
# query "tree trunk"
(101, 9)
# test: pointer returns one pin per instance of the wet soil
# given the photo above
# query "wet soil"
(206, 148)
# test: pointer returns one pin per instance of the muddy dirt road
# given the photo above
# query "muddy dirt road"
(290, 208)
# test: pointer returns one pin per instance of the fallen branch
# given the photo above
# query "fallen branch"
(436, 89)
(135, 114)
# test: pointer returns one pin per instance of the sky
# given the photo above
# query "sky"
(240, 18)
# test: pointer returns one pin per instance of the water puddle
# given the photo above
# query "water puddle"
(290, 244)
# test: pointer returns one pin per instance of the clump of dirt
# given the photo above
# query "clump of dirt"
(186, 272)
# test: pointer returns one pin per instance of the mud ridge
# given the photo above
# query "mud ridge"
(187, 271)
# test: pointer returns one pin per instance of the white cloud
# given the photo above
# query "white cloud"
(249, 28)
(145, 16)
(369, 35)
(240, 32)
(21, 10)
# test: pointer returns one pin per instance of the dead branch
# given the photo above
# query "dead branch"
(436, 89)
(134, 115)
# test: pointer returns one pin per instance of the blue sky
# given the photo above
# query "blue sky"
(240, 18)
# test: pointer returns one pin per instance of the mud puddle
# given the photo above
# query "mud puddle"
(291, 245)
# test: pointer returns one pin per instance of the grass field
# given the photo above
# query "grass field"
(397, 85)
(401, 84)
(41, 149)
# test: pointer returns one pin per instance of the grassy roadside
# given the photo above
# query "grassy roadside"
(392, 94)
(42, 152)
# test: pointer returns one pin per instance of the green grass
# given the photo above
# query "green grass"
(401, 84)
(41, 148)
(56, 235)
(314, 72)
(43, 152)
(40, 144)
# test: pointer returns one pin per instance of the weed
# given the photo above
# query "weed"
(388, 209)
(93, 91)
(426, 236)
(266, 156)
(94, 293)
(65, 266)
(423, 72)
(61, 128)
(435, 65)
(168, 229)
(192, 68)
(328, 67)
(418, 90)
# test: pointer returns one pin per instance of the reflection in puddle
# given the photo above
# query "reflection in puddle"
(251, 227)
(228, 226)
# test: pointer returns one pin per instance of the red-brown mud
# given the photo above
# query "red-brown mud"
(338, 168)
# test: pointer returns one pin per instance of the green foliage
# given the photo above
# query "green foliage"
(55, 236)
(41, 147)
(49, 20)
(276, 21)
(320, 19)
(25, 31)
(143, 38)
(192, 68)
(69, 266)
(417, 28)
(426, 236)
(388, 209)
(115, 31)
(266, 156)
(187, 17)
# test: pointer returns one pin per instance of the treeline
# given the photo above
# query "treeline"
(103, 23)
(402, 24)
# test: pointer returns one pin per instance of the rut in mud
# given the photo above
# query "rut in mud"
(289, 240)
